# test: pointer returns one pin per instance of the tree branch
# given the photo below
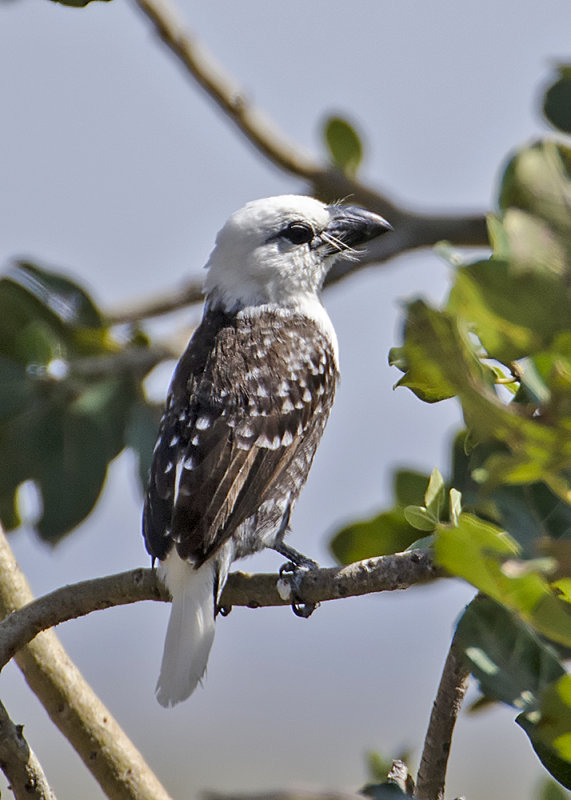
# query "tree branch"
(413, 230)
(431, 777)
(386, 573)
(19, 763)
(171, 300)
(72, 705)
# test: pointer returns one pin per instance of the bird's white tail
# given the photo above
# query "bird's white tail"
(190, 632)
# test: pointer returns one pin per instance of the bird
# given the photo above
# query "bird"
(246, 408)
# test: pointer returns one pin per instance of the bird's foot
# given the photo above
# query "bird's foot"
(295, 572)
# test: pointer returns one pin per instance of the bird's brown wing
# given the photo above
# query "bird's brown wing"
(247, 407)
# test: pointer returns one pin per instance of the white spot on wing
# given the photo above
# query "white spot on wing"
(188, 463)
(271, 444)
(246, 430)
(177, 477)
(202, 423)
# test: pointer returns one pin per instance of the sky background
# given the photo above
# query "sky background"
(116, 169)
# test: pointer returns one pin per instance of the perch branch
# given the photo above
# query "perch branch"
(431, 777)
(386, 573)
(72, 705)
(19, 763)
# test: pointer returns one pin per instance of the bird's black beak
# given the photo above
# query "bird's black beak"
(353, 226)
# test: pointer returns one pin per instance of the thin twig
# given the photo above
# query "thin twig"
(133, 360)
(386, 573)
(146, 308)
(72, 705)
(19, 763)
(431, 777)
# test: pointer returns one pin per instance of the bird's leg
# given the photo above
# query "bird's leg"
(295, 560)
(295, 567)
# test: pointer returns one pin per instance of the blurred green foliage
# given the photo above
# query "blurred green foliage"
(343, 144)
(70, 400)
(557, 100)
(501, 345)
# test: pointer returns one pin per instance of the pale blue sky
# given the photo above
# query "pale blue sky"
(115, 167)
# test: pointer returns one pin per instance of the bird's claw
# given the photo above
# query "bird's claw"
(295, 573)
(303, 610)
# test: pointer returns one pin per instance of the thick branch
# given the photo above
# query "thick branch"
(386, 573)
(431, 777)
(79, 714)
(263, 134)
(19, 763)
(412, 229)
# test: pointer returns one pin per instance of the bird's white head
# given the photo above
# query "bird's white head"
(278, 250)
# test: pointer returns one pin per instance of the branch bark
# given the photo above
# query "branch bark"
(431, 777)
(20, 764)
(386, 573)
(106, 751)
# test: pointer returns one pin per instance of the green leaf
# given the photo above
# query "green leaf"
(426, 375)
(538, 180)
(420, 518)
(70, 472)
(530, 513)
(511, 663)
(557, 100)
(344, 145)
(382, 535)
(487, 558)
(502, 305)
(66, 298)
(442, 361)
(549, 729)
(64, 398)
(16, 388)
(455, 506)
(434, 497)
(528, 243)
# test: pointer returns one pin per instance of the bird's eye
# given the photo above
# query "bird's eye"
(298, 233)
